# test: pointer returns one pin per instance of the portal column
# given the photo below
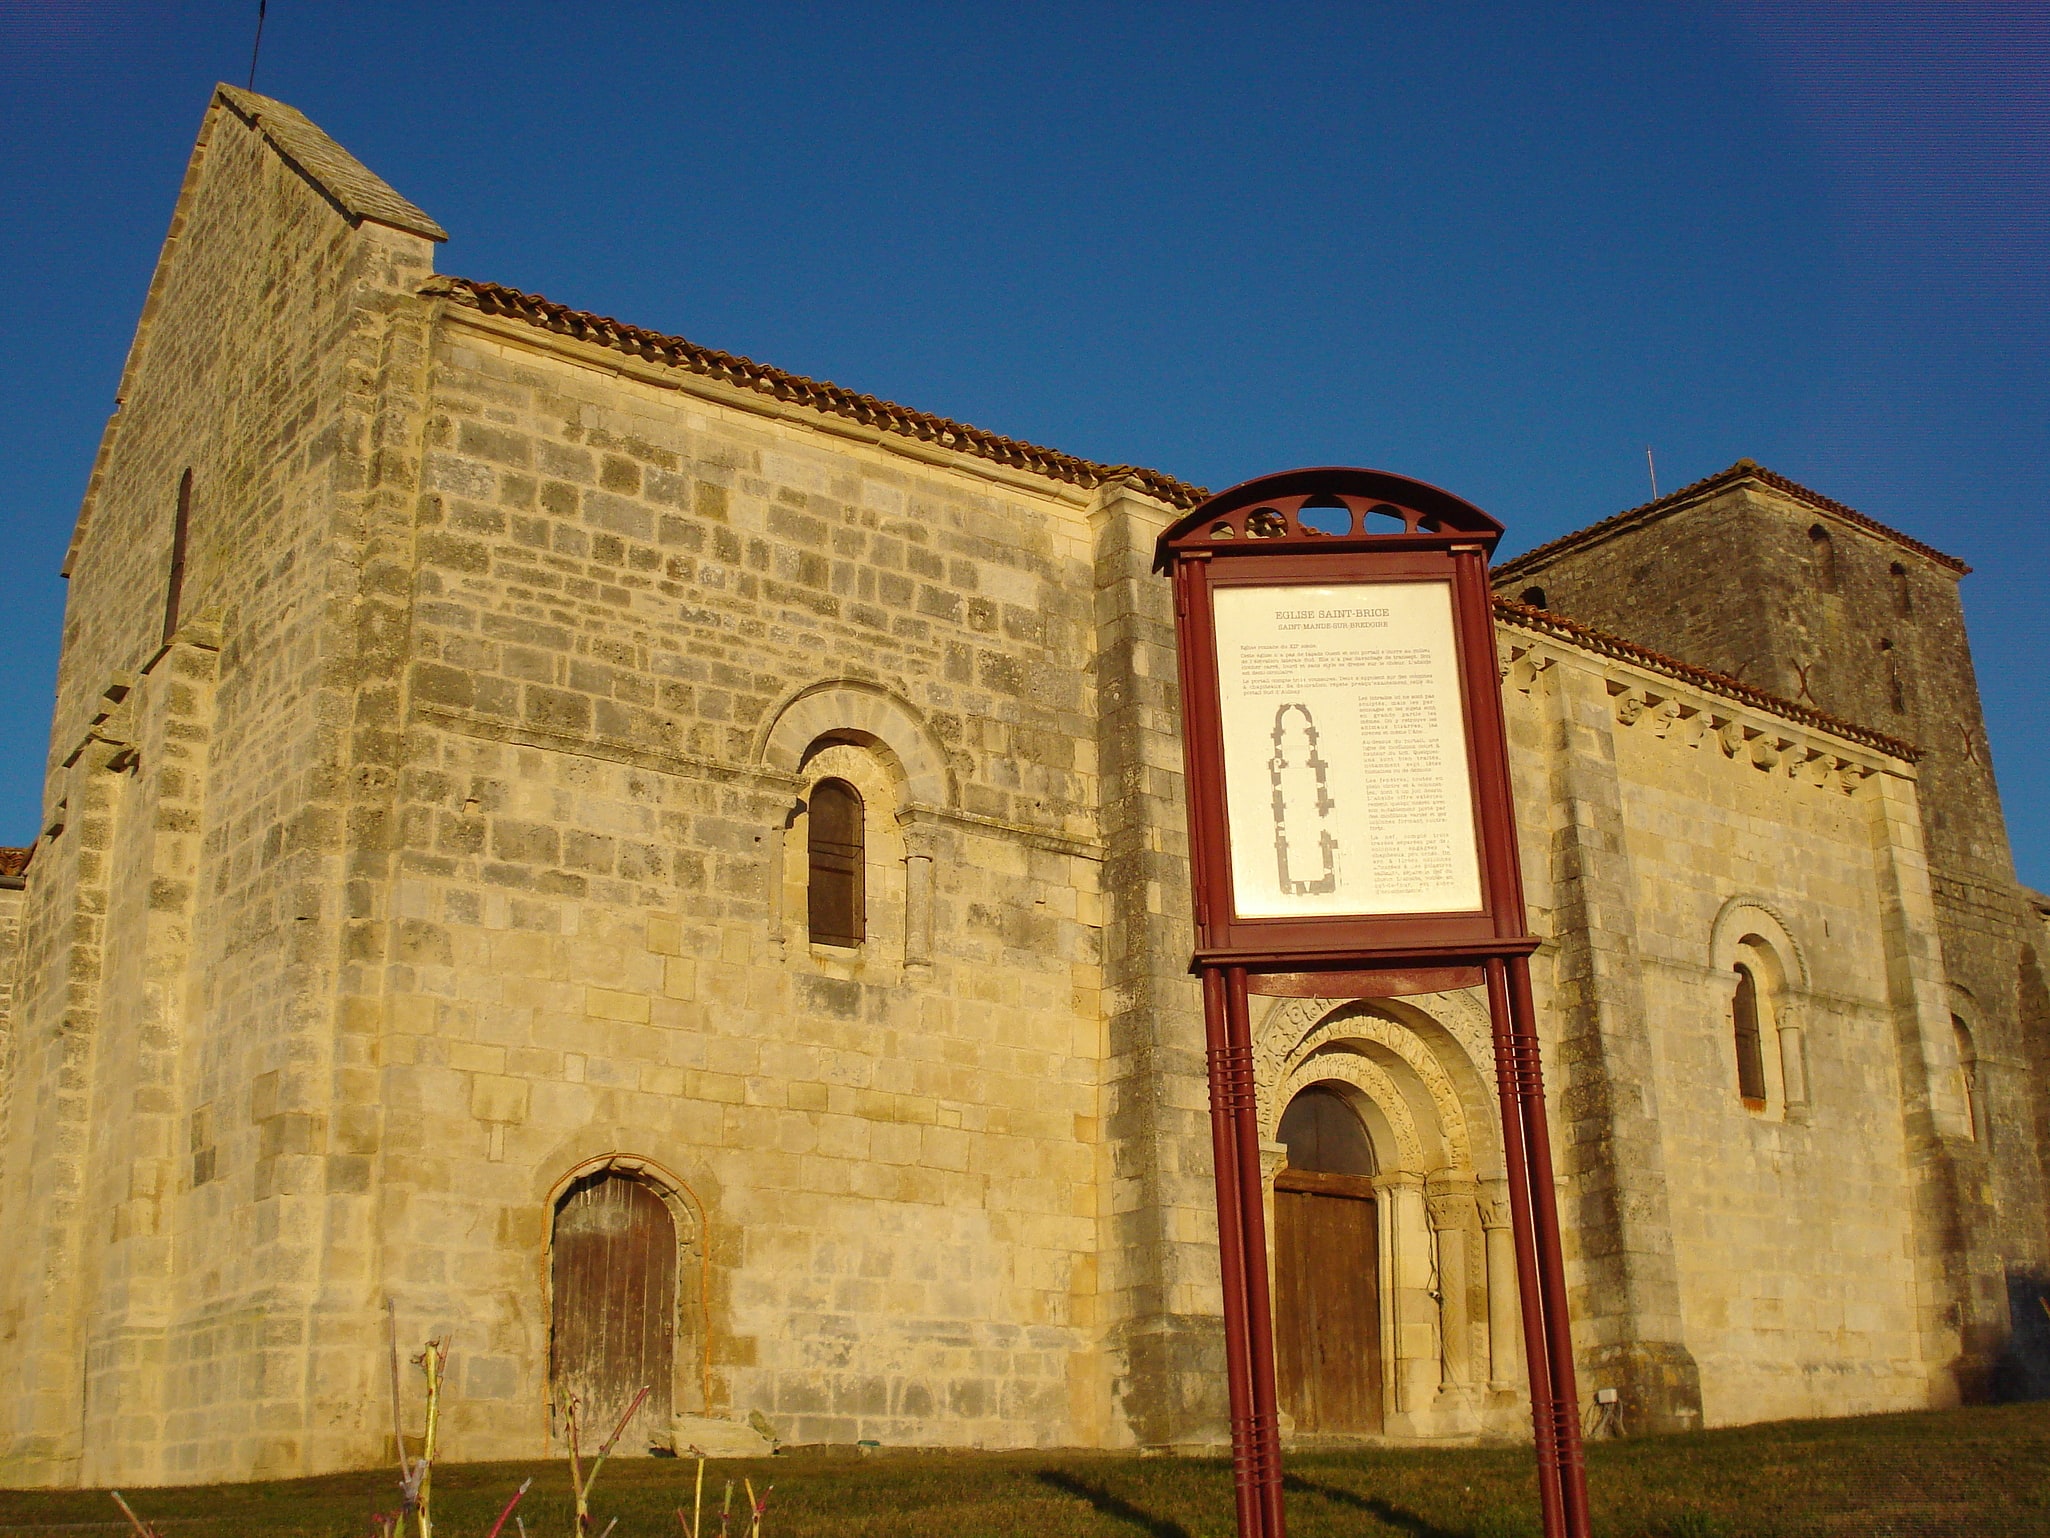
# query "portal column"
(1504, 1329)
(1450, 1203)
(1409, 1310)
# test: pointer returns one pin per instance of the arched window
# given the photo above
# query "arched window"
(1324, 1134)
(1744, 1020)
(1903, 599)
(1968, 1070)
(1822, 550)
(1535, 597)
(835, 903)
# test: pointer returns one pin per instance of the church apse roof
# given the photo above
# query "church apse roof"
(1743, 470)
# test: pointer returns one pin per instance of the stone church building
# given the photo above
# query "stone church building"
(673, 873)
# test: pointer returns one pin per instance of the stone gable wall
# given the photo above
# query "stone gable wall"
(181, 930)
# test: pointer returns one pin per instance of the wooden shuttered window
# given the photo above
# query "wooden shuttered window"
(1750, 1054)
(836, 903)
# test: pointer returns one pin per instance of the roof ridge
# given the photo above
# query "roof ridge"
(1743, 469)
(820, 395)
(1590, 639)
(359, 192)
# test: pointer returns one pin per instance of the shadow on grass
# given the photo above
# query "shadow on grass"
(1113, 1506)
(1395, 1516)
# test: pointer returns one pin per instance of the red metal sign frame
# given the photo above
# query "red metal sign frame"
(1325, 527)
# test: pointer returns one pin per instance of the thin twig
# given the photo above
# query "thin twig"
(398, 1425)
(697, 1509)
(604, 1452)
(134, 1521)
(499, 1526)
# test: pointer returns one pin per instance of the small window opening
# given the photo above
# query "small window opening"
(1750, 1056)
(1535, 597)
(1968, 1069)
(835, 893)
(1324, 1134)
(174, 588)
(1822, 549)
(1896, 692)
(1903, 599)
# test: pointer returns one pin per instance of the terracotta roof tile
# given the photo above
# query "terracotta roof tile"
(14, 863)
(1589, 639)
(1742, 470)
(819, 395)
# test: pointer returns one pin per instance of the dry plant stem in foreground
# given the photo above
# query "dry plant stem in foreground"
(499, 1526)
(141, 1527)
(433, 1361)
(581, 1482)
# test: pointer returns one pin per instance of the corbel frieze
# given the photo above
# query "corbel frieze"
(1764, 745)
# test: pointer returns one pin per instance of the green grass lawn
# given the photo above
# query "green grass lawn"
(1984, 1472)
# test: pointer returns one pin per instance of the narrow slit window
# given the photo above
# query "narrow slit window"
(1823, 549)
(1903, 595)
(836, 899)
(1968, 1070)
(1744, 1018)
(174, 587)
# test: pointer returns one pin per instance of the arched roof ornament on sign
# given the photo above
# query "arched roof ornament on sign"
(1337, 506)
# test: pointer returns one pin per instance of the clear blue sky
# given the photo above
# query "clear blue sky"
(1501, 247)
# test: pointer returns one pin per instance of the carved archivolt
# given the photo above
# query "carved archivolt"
(1742, 916)
(850, 710)
(1293, 1049)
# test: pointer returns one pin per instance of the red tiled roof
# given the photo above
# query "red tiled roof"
(14, 863)
(1742, 470)
(1590, 639)
(746, 374)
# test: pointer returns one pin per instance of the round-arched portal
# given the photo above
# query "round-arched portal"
(613, 1280)
(1327, 1316)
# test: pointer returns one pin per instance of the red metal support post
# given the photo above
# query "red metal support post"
(1231, 1258)
(1572, 1471)
(1253, 1239)
(1522, 1226)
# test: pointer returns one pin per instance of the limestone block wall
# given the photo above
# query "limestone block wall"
(644, 623)
(1734, 1261)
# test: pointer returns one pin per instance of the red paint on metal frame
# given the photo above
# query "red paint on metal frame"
(1256, 534)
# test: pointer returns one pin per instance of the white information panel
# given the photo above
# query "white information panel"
(1345, 767)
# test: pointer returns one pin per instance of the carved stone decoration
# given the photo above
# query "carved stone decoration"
(1298, 1029)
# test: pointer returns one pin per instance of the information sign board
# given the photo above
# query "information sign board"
(1351, 835)
(1345, 763)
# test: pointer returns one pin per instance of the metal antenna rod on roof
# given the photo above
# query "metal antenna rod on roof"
(261, 7)
(1654, 469)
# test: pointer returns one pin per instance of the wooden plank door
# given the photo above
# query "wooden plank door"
(614, 1324)
(1327, 1317)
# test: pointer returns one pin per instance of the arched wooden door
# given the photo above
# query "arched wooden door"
(1327, 1315)
(614, 1318)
